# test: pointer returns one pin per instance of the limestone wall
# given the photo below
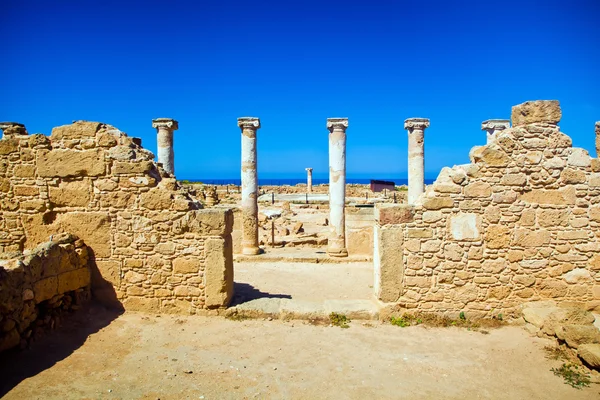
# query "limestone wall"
(521, 222)
(154, 246)
(36, 287)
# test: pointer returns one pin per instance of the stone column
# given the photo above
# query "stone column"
(598, 139)
(249, 127)
(164, 140)
(309, 180)
(492, 126)
(336, 244)
(416, 157)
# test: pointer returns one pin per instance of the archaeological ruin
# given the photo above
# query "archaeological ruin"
(87, 212)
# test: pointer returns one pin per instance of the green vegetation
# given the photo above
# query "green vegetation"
(574, 375)
(237, 317)
(339, 320)
(434, 320)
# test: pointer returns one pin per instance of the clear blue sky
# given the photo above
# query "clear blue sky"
(295, 63)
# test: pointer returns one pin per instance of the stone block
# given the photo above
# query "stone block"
(530, 238)
(73, 280)
(76, 130)
(45, 289)
(133, 167)
(388, 262)
(8, 146)
(107, 273)
(550, 196)
(540, 111)
(478, 189)
(71, 193)
(497, 236)
(144, 304)
(187, 265)
(423, 233)
(218, 273)
(490, 156)
(590, 353)
(24, 171)
(576, 335)
(157, 199)
(207, 222)
(92, 227)
(390, 214)
(23, 190)
(465, 226)
(579, 158)
(437, 203)
(64, 163)
(514, 179)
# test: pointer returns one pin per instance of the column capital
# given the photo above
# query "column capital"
(337, 123)
(598, 127)
(6, 124)
(249, 122)
(495, 124)
(308, 169)
(168, 123)
(416, 123)
(13, 128)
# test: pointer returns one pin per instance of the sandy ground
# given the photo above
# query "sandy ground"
(137, 356)
(307, 281)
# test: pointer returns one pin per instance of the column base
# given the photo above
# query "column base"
(337, 252)
(251, 251)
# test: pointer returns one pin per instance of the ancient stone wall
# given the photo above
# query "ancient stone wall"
(154, 246)
(35, 288)
(520, 223)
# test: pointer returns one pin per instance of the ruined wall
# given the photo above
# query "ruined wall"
(154, 247)
(521, 222)
(36, 288)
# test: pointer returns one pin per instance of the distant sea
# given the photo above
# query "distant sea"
(295, 181)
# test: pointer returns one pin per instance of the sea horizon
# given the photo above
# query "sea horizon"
(295, 181)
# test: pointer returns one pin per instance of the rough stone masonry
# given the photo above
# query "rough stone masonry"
(152, 244)
(520, 223)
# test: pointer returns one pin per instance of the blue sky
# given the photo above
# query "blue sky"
(293, 64)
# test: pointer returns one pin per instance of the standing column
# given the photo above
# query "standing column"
(416, 157)
(309, 180)
(491, 126)
(249, 126)
(164, 140)
(336, 244)
(598, 139)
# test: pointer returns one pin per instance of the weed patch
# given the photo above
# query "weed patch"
(339, 320)
(574, 375)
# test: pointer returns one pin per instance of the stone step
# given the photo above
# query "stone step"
(302, 258)
(282, 308)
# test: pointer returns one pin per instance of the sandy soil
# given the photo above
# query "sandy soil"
(136, 356)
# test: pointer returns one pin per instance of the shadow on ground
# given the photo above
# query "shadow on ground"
(17, 365)
(244, 292)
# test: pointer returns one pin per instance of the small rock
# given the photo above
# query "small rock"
(590, 353)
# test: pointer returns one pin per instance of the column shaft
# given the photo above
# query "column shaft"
(165, 155)
(416, 165)
(336, 245)
(309, 180)
(164, 142)
(598, 139)
(249, 187)
(416, 157)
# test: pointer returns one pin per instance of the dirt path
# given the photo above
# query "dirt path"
(137, 356)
